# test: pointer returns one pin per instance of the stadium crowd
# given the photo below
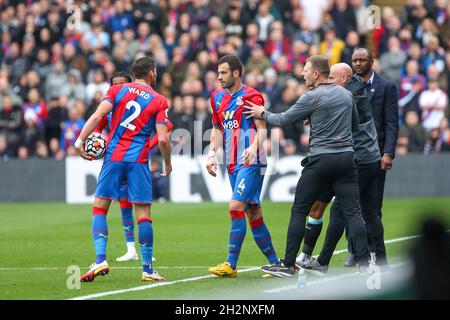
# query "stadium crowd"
(56, 60)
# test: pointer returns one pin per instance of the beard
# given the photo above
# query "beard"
(227, 85)
(309, 83)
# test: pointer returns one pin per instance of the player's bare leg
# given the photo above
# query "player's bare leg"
(100, 237)
(145, 225)
(237, 235)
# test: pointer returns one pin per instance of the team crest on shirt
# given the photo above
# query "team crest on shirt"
(239, 101)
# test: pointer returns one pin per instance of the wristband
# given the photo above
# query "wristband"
(211, 153)
(79, 143)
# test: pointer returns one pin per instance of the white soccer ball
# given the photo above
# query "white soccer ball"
(95, 146)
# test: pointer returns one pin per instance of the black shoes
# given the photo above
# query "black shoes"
(278, 269)
(350, 261)
(313, 266)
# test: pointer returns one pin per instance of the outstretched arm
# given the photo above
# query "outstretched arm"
(299, 111)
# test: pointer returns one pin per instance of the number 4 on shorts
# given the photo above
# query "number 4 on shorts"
(241, 187)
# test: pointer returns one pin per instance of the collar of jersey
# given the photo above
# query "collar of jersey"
(242, 88)
(143, 84)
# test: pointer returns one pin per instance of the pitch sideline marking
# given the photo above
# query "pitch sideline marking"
(160, 284)
(329, 279)
(140, 267)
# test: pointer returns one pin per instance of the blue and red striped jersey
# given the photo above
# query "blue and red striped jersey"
(137, 108)
(239, 132)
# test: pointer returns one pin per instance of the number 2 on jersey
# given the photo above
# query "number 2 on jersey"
(137, 110)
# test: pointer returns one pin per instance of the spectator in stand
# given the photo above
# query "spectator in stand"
(352, 42)
(121, 19)
(233, 22)
(42, 66)
(97, 38)
(257, 61)
(278, 44)
(344, 18)
(434, 104)
(405, 38)
(433, 54)
(38, 48)
(202, 118)
(11, 122)
(99, 84)
(444, 25)
(57, 114)
(411, 85)
(6, 151)
(30, 132)
(331, 47)
(38, 106)
(56, 80)
(42, 149)
(264, 18)
(392, 61)
(74, 88)
(71, 130)
(426, 31)
(402, 147)
(434, 142)
(444, 77)
(415, 132)
(271, 87)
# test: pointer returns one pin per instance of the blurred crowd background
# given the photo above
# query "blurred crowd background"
(58, 56)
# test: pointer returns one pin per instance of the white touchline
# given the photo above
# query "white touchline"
(329, 279)
(160, 284)
(140, 267)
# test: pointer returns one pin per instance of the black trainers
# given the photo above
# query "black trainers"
(314, 267)
(350, 261)
(278, 269)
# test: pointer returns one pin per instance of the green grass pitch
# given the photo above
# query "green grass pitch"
(39, 241)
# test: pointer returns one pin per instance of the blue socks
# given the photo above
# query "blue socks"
(146, 243)
(237, 235)
(126, 208)
(263, 239)
(99, 233)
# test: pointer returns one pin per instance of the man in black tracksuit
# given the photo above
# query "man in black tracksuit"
(367, 156)
(331, 165)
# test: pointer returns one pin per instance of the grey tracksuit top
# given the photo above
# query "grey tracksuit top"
(332, 114)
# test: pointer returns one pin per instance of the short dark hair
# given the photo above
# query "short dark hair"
(121, 74)
(320, 64)
(368, 51)
(233, 61)
(142, 66)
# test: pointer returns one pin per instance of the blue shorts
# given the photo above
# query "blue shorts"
(246, 184)
(123, 189)
(137, 180)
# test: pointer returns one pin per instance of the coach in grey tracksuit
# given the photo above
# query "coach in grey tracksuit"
(332, 114)
(367, 156)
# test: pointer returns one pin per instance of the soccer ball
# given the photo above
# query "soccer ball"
(95, 146)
